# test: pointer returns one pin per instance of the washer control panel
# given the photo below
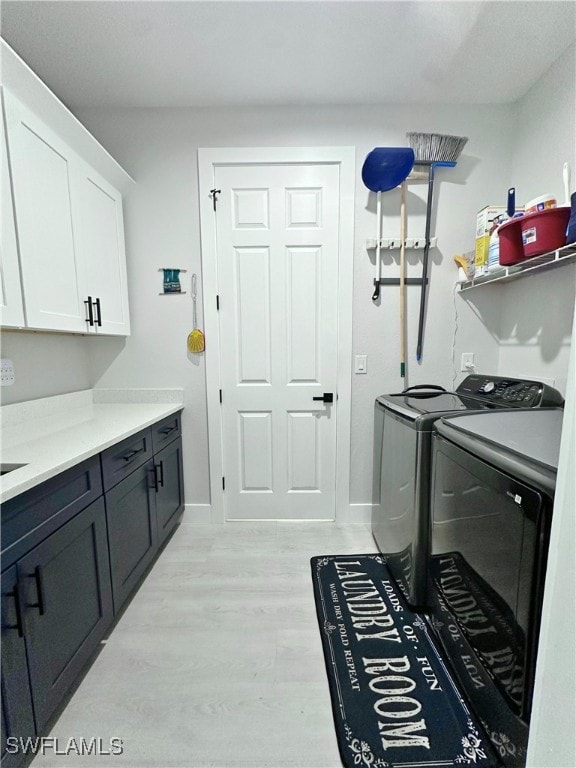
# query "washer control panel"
(511, 393)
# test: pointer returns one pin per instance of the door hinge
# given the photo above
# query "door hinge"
(214, 195)
(217, 303)
(223, 483)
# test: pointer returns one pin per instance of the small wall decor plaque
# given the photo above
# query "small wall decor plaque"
(171, 282)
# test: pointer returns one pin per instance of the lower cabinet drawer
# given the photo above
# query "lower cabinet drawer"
(32, 516)
(132, 531)
(165, 431)
(123, 458)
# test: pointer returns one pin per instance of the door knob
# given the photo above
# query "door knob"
(327, 397)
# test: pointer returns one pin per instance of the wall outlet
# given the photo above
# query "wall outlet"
(467, 363)
(7, 377)
(361, 364)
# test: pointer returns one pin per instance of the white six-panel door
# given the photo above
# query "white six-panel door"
(277, 258)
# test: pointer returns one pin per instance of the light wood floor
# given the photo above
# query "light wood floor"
(217, 661)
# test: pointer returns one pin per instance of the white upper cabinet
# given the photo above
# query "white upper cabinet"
(41, 176)
(100, 241)
(67, 250)
(11, 305)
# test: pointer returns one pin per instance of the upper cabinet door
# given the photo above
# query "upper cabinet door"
(100, 236)
(11, 305)
(41, 173)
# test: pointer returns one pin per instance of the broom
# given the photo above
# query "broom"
(433, 150)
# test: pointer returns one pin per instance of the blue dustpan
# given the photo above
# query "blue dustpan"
(387, 167)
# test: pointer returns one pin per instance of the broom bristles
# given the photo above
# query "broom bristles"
(436, 147)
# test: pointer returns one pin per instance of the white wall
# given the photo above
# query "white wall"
(158, 147)
(552, 739)
(45, 364)
(536, 321)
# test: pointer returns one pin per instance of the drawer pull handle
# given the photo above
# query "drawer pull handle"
(41, 604)
(167, 430)
(18, 605)
(132, 454)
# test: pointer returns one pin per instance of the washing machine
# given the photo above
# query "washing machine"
(492, 492)
(403, 425)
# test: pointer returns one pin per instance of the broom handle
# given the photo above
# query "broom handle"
(425, 263)
(376, 294)
(194, 323)
(402, 276)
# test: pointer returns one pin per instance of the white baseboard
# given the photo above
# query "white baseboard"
(197, 514)
(360, 514)
(201, 514)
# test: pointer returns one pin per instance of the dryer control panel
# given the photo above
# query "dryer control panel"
(510, 393)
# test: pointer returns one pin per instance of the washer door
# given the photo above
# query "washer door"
(488, 542)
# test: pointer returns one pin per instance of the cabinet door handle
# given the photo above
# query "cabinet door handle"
(158, 478)
(167, 430)
(98, 312)
(41, 604)
(131, 454)
(18, 606)
(90, 318)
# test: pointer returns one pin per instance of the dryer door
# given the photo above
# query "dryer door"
(488, 541)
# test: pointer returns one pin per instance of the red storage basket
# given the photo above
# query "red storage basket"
(510, 243)
(544, 231)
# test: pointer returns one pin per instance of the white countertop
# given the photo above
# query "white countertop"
(52, 434)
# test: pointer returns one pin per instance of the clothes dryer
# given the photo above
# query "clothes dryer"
(493, 484)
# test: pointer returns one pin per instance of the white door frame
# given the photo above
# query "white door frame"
(344, 158)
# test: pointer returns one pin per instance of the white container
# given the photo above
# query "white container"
(486, 219)
(541, 203)
(493, 253)
(484, 223)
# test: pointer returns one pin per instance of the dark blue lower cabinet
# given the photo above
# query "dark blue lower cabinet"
(142, 510)
(132, 531)
(66, 586)
(56, 607)
(169, 488)
(17, 713)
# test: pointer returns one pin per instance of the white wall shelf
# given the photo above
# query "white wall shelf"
(564, 255)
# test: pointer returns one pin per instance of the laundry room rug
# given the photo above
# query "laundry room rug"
(393, 700)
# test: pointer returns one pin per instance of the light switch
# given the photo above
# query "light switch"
(361, 364)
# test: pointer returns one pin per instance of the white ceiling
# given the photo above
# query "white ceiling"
(145, 53)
